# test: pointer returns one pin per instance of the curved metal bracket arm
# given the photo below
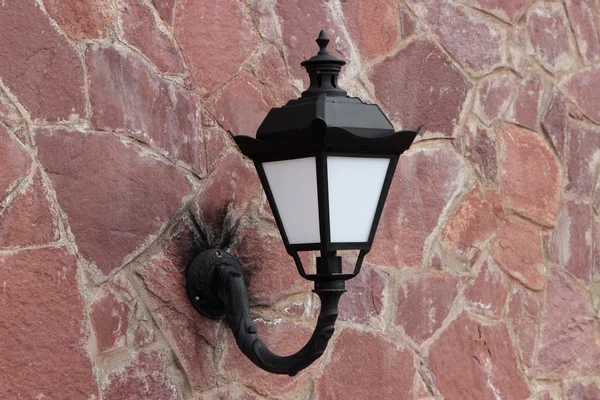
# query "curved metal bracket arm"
(215, 284)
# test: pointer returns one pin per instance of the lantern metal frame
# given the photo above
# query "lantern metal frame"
(324, 122)
(320, 141)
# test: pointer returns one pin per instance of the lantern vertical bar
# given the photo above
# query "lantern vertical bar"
(387, 183)
(323, 195)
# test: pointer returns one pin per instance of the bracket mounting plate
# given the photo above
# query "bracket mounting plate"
(202, 285)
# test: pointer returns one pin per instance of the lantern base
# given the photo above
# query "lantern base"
(201, 282)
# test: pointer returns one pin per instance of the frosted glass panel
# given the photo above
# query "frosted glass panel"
(294, 187)
(354, 186)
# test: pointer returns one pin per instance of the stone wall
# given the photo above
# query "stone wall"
(116, 169)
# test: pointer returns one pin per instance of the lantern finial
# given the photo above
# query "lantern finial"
(322, 41)
(323, 70)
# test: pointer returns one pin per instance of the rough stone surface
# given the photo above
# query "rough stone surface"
(571, 239)
(22, 134)
(301, 21)
(183, 242)
(363, 302)
(189, 334)
(524, 109)
(596, 265)
(508, 10)
(518, 251)
(488, 293)
(550, 36)
(583, 155)
(272, 72)
(142, 31)
(526, 331)
(481, 148)
(227, 40)
(524, 303)
(523, 311)
(144, 334)
(79, 19)
(231, 392)
(43, 339)
(216, 143)
(90, 172)
(583, 88)
(568, 337)
(475, 361)
(432, 177)
(366, 358)
(270, 272)
(581, 391)
(299, 306)
(433, 90)
(476, 43)
(28, 220)
(9, 113)
(128, 97)
(471, 224)
(144, 377)
(546, 395)
(408, 24)
(585, 25)
(166, 9)
(555, 122)
(517, 58)
(28, 39)
(493, 96)
(373, 40)
(110, 319)
(596, 197)
(424, 304)
(534, 194)
(242, 104)
(14, 163)
(227, 194)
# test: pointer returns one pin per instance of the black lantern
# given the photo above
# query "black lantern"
(326, 162)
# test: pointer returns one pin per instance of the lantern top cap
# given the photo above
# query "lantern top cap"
(323, 70)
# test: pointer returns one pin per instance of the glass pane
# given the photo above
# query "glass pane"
(294, 187)
(354, 187)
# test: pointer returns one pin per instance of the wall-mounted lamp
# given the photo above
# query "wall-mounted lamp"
(326, 162)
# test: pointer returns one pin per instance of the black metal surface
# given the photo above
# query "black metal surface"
(303, 142)
(216, 273)
(323, 70)
(349, 113)
(201, 282)
(323, 204)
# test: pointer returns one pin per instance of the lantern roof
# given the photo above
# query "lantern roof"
(349, 113)
(324, 118)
